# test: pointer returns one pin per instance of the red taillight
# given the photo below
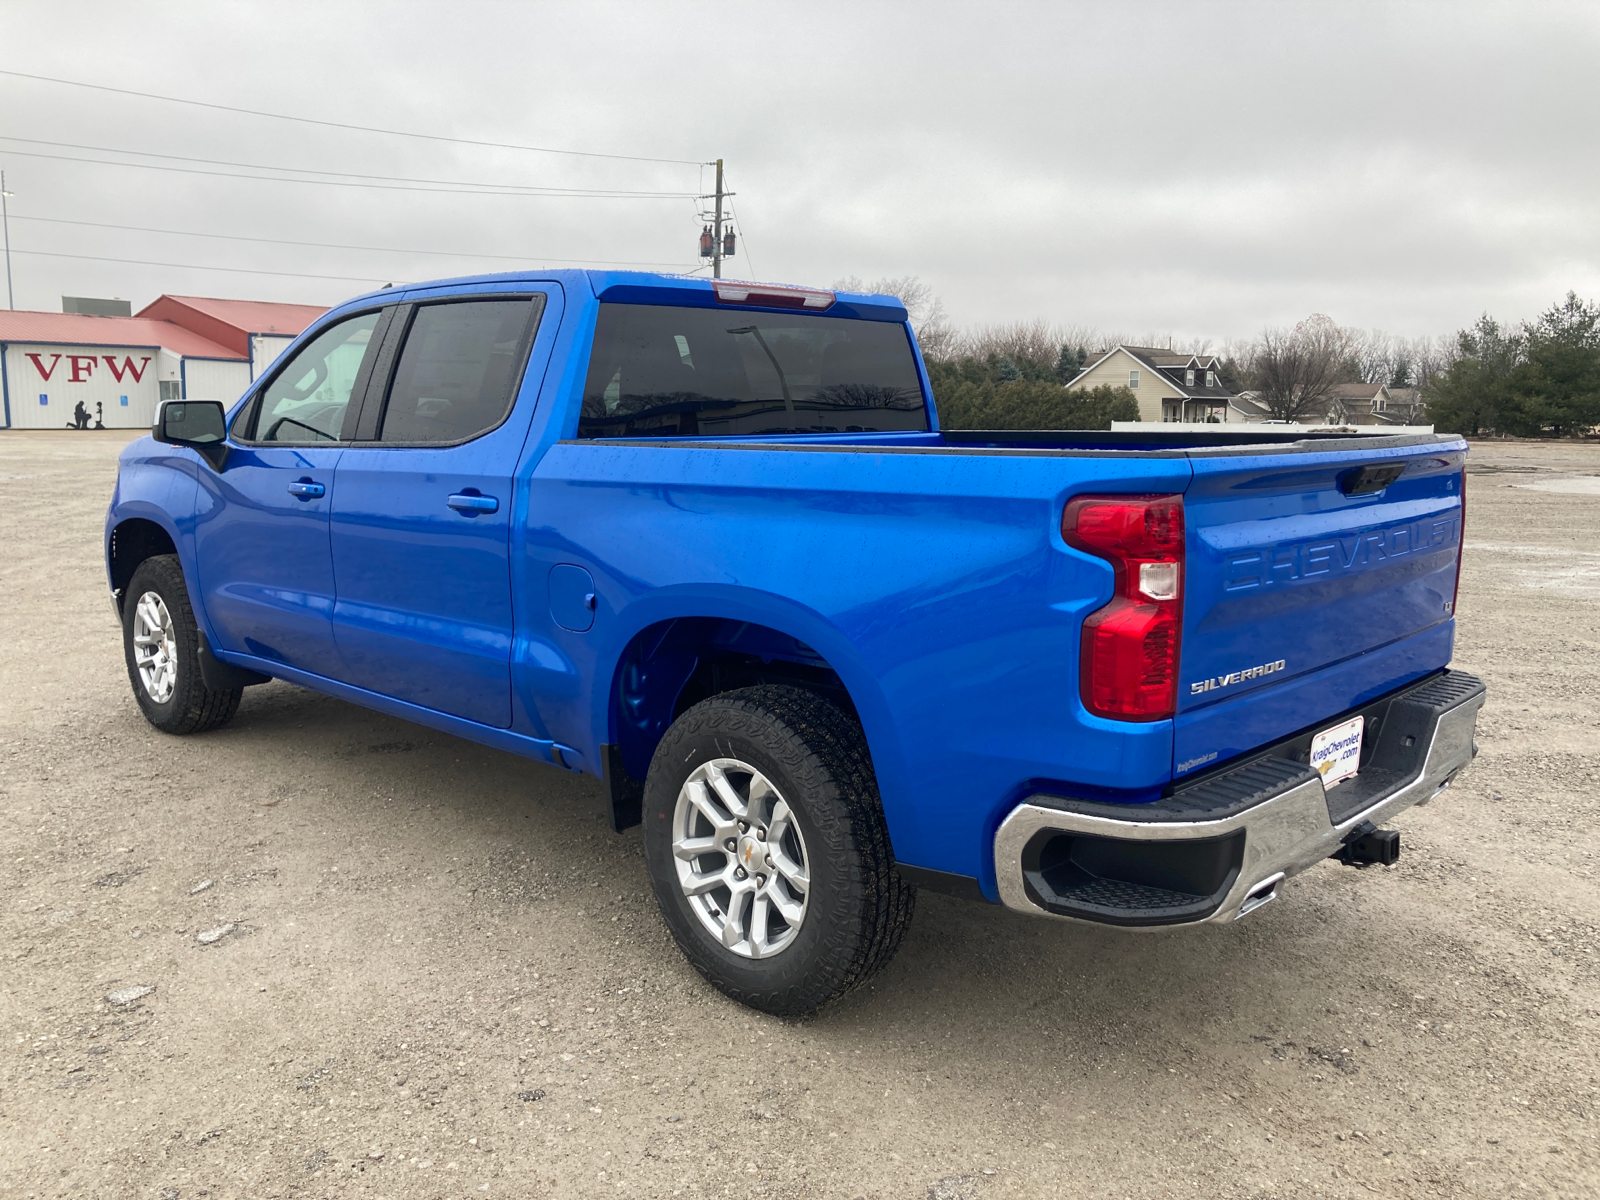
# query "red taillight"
(1129, 657)
(771, 295)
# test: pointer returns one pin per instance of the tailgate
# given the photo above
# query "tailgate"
(1309, 578)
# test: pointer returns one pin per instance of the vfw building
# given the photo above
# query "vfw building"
(73, 371)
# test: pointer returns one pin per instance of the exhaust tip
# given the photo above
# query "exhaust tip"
(1262, 893)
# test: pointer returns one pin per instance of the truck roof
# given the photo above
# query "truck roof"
(643, 287)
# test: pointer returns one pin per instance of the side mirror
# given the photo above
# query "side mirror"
(199, 424)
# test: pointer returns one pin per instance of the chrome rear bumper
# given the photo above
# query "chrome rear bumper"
(1248, 827)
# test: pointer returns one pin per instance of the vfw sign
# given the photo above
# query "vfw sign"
(83, 387)
(83, 366)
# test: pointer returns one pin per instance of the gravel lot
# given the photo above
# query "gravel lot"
(386, 962)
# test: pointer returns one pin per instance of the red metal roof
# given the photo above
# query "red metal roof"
(231, 322)
(76, 329)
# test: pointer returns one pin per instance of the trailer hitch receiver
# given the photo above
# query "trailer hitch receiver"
(1366, 844)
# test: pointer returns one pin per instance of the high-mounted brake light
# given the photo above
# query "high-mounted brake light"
(1129, 658)
(771, 295)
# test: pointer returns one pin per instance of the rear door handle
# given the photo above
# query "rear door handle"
(464, 503)
(306, 489)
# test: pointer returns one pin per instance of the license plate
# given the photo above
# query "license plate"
(1336, 752)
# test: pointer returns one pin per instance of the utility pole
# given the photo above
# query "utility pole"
(716, 231)
(5, 219)
(712, 244)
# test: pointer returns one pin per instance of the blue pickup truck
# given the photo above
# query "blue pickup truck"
(706, 541)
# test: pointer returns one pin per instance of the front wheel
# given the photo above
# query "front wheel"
(768, 852)
(162, 645)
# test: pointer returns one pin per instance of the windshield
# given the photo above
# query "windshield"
(660, 371)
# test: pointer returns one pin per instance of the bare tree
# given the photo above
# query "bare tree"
(1373, 354)
(1379, 357)
(1037, 342)
(1295, 369)
(1431, 357)
(935, 334)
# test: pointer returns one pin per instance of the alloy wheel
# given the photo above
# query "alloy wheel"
(741, 858)
(155, 651)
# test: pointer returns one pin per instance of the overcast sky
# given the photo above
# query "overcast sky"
(1203, 169)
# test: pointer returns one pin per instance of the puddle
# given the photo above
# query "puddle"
(1574, 573)
(1585, 485)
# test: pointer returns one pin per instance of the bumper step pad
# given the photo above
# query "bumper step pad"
(1203, 850)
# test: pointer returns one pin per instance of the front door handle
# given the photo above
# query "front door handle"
(464, 502)
(306, 489)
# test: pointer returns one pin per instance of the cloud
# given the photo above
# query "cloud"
(1203, 168)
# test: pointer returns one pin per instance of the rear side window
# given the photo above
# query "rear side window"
(458, 370)
(660, 371)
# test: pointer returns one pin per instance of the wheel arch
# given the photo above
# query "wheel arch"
(678, 654)
(131, 541)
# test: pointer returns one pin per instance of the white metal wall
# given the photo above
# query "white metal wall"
(209, 379)
(264, 351)
(47, 384)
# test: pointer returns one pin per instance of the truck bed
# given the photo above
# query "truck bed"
(1156, 439)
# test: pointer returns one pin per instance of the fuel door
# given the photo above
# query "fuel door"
(572, 597)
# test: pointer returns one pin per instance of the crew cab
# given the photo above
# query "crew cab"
(706, 541)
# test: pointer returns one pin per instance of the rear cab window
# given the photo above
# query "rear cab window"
(458, 370)
(668, 371)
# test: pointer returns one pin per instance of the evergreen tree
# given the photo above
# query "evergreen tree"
(1557, 385)
(1008, 371)
(1473, 395)
(964, 403)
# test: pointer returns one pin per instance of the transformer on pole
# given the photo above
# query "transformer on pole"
(715, 242)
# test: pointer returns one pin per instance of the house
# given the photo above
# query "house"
(78, 371)
(1372, 404)
(1346, 404)
(1249, 406)
(1405, 406)
(1355, 403)
(1170, 385)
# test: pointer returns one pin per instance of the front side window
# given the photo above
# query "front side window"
(662, 371)
(458, 370)
(1133, 379)
(1211, 379)
(305, 403)
(1188, 378)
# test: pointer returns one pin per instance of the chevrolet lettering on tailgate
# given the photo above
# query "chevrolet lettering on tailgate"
(1262, 568)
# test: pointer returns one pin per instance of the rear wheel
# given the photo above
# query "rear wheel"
(162, 645)
(767, 848)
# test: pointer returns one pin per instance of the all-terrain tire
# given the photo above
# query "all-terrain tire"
(191, 707)
(858, 906)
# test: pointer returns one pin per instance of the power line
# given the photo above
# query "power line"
(510, 188)
(231, 237)
(552, 194)
(139, 262)
(432, 137)
(743, 237)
